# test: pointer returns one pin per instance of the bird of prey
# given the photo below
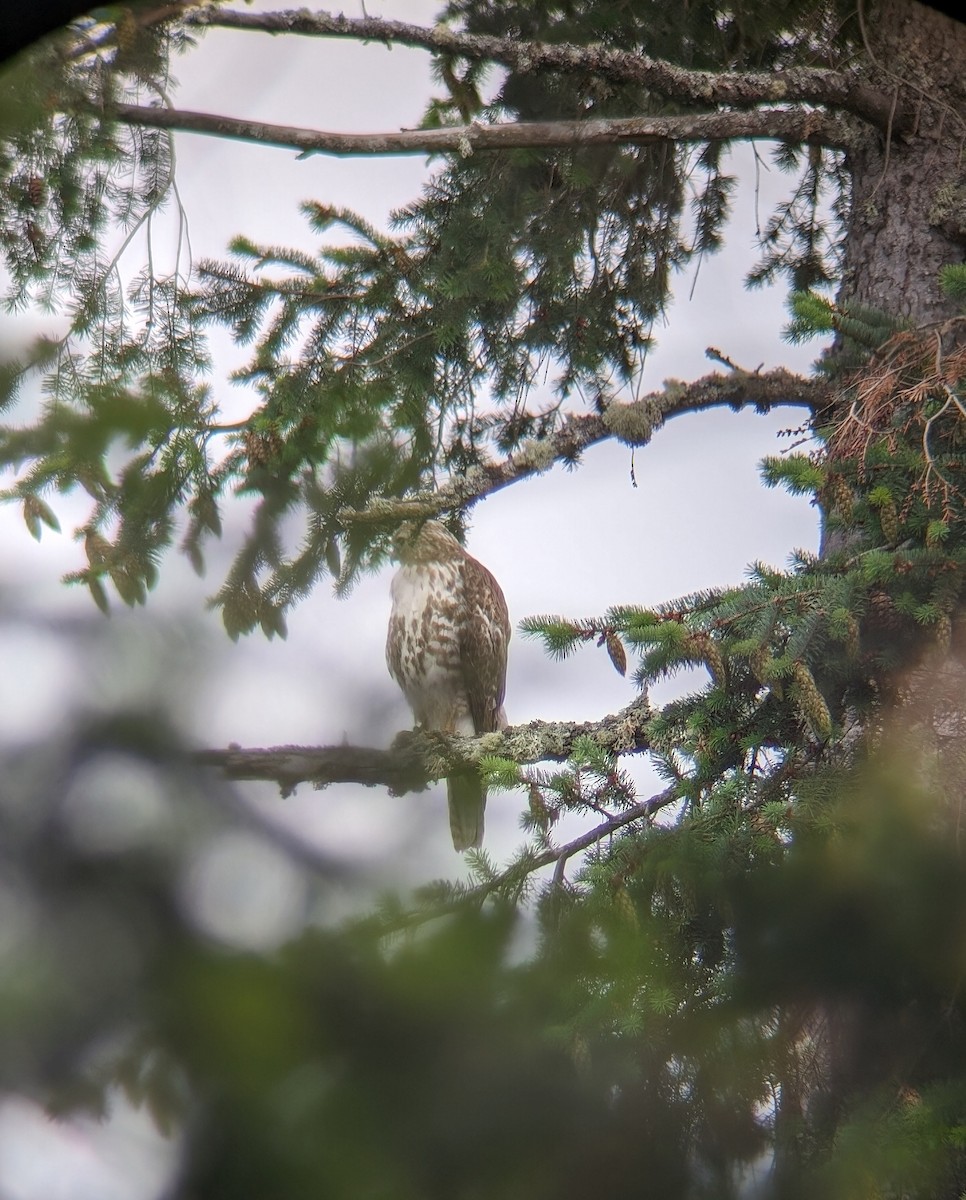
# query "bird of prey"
(447, 649)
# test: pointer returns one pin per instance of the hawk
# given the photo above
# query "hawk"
(447, 646)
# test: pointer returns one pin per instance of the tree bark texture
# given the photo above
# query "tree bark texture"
(908, 212)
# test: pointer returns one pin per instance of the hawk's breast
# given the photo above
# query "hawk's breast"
(423, 646)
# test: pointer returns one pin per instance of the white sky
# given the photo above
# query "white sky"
(573, 543)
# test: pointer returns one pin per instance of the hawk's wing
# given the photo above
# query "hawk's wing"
(484, 634)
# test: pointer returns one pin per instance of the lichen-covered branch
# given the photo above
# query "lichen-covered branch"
(736, 89)
(632, 422)
(401, 769)
(794, 124)
(416, 759)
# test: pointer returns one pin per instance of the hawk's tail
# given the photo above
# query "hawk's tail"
(467, 799)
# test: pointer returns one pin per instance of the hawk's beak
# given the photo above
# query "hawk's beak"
(402, 538)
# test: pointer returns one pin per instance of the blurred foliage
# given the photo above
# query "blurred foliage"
(381, 362)
(662, 1024)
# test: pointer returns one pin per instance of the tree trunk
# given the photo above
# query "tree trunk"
(908, 210)
(907, 220)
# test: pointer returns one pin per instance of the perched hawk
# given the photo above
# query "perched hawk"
(446, 649)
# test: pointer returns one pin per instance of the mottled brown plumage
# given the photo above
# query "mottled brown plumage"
(447, 649)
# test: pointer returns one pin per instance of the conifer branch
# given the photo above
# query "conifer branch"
(736, 89)
(416, 759)
(792, 124)
(637, 812)
(632, 422)
(515, 875)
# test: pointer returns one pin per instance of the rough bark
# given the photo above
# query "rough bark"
(908, 212)
(907, 220)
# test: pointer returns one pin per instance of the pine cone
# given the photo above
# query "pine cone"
(811, 702)
(882, 611)
(838, 495)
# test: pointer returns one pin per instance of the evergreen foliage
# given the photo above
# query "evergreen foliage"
(758, 968)
(858, 329)
(385, 362)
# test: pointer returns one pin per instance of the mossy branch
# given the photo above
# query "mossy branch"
(630, 422)
(417, 759)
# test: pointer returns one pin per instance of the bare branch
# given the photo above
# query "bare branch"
(400, 770)
(416, 759)
(637, 812)
(794, 124)
(633, 423)
(515, 876)
(736, 89)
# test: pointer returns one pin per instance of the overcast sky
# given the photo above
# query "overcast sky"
(573, 543)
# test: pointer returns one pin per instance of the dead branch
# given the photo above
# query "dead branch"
(736, 89)
(799, 125)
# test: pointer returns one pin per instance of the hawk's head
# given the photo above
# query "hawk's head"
(429, 541)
